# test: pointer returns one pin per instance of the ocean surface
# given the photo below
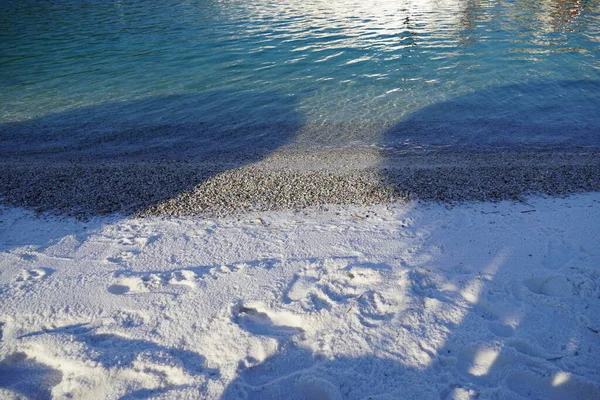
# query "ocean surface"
(217, 76)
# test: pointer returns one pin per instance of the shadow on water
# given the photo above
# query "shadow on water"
(208, 125)
(497, 143)
(129, 157)
(121, 157)
(294, 372)
(554, 113)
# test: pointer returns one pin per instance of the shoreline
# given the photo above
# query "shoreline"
(293, 180)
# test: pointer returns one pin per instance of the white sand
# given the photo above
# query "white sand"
(488, 301)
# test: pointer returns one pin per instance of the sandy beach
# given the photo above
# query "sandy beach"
(419, 300)
(340, 274)
(300, 199)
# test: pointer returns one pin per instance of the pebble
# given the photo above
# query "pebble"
(142, 189)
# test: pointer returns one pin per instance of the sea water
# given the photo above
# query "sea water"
(237, 73)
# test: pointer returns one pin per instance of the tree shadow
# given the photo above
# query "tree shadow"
(128, 156)
(212, 125)
(26, 377)
(458, 344)
(112, 350)
(23, 375)
(150, 393)
(541, 114)
(511, 338)
(497, 143)
(300, 374)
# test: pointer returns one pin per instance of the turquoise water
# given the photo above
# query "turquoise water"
(316, 72)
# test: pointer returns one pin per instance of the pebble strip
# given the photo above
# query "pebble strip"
(143, 189)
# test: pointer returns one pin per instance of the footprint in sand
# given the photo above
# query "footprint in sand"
(292, 384)
(487, 310)
(129, 318)
(123, 257)
(311, 387)
(140, 241)
(483, 363)
(118, 289)
(425, 281)
(582, 284)
(323, 285)
(26, 378)
(559, 255)
(374, 309)
(299, 288)
(191, 277)
(257, 319)
(530, 349)
(143, 283)
(501, 330)
(133, 246)
(551, 385)
(556, 286)
(353, 288)
(33, 275)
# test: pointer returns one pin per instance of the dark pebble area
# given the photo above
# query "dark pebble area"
(172, 188)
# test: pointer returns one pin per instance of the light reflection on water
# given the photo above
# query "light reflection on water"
(341, 61)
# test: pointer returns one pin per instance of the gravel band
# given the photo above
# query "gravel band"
(291, 181)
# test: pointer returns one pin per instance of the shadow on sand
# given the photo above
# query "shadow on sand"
(25, 376)
(127, 157)
(459, 341)
(498, 143)
(512, 138)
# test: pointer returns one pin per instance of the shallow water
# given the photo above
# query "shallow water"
(407, 73)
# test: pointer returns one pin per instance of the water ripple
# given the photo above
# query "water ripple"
(343, 61)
